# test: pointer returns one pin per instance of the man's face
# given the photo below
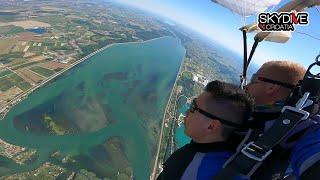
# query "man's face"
(196, 124)
(259, 89)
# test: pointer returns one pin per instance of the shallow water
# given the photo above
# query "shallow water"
(120, 92)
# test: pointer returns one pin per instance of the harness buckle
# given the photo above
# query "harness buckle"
(255, 152)
(304, 114)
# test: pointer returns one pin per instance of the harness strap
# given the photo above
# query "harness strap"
(254, 153)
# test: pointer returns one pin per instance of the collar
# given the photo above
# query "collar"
(211, 147)
(270, 108)
(265, 113)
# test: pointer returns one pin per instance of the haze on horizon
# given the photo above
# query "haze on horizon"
(205, 17)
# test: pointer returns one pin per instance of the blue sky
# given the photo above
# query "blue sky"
(221, 25)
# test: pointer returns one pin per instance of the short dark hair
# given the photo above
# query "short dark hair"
(235, 96)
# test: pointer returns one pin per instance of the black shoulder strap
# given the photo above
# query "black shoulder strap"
(275, 166)
(251, 156)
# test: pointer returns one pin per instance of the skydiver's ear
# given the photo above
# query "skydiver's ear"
(210, 128)
(213, 126)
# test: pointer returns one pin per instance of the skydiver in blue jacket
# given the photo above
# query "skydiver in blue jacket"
(211, 119)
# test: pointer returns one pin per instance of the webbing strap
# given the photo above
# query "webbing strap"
(245, 62)
(254, 153)
(245, 52)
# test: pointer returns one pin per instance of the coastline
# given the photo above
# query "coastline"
(12, 103)
(155, 166)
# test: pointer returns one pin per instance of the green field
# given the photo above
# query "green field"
(7, 30)
(5, 84)
(17, 62)
(24, 65)
(13, 80)
(24, 85)
(58, 69)
(13, 55)
(42, 71)
(4, 73)
(187, 75)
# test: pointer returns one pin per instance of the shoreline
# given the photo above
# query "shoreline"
(155, 166)
(15, 101)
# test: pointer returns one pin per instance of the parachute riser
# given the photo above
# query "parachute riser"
(246, 61)
(243, 80)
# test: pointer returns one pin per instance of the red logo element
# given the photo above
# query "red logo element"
(262, 26)
(294, 17)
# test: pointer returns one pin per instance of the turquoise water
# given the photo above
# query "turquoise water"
(181, 138)
(120, 93)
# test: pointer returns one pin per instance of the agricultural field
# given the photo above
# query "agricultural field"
(29, 24)
(10, 29)
(42, 71)
(30, 76)
(17, 62)
(9, 94)
(25, 65)
(5, 73)
(12, 80)
(54, 65)
(6, 46)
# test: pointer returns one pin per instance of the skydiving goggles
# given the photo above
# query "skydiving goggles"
(256, 78)
(194, 107)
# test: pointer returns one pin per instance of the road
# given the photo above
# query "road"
(154, 171)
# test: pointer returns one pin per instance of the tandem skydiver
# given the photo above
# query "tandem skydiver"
(210, 121)
(296, 154)
(270, 86)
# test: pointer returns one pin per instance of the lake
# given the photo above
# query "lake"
(105, 114)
